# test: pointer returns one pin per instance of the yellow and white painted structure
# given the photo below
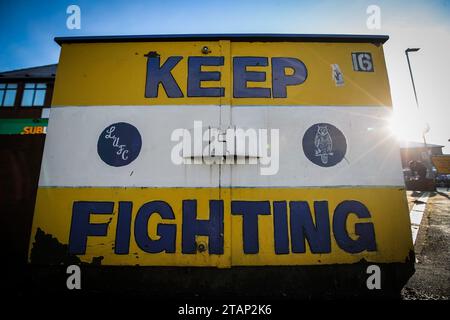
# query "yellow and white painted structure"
(305, 214)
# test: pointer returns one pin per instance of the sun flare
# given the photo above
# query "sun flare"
(407, 126)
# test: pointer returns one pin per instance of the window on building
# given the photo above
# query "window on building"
(34, 94)
(8, 94)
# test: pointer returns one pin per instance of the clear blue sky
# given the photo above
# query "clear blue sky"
(27, 29)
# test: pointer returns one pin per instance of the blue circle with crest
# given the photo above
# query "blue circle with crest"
(119, 144)
(324, 144)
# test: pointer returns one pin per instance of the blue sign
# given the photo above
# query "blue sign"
(324, 144)
(119, 144)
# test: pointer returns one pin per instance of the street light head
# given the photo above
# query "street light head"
(412, 49)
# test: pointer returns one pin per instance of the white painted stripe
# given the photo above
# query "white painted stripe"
(71, 159)
(416, 214)
(372, 158)
(414, 232)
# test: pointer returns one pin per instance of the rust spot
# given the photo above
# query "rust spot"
(48, 250)
(97, 261)
(152, 54)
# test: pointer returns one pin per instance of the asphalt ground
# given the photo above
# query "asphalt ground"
(431, 281)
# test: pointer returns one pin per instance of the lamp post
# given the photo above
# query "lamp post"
(413, 84)
(410, 72)
(417, 105)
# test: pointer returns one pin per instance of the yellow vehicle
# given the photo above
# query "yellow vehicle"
(224, 165)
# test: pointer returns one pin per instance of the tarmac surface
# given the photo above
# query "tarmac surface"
(431, 280)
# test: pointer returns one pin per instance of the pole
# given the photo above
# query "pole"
(417, 105)
(412, 78)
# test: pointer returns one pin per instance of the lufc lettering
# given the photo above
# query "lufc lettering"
(301, 226)
(281, 78)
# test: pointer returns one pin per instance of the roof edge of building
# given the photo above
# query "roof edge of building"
(263, 37)
(34, 72)
(417, 145)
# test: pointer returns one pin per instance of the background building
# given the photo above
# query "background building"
(25, 98)
(417, 154)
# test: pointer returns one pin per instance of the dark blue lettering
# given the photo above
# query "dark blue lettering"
(302, 226)
(213, 228)
(250, 211)
(163, 75)
(166, 232)
(196, 76)
(280, 80)
(364, 231)
(81, 228)
(241, 76)
(280, 225)
(122, 245)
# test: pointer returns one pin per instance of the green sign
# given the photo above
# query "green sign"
(23, 126)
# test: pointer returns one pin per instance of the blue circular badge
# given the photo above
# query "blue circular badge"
(324, 144)
(119, 144)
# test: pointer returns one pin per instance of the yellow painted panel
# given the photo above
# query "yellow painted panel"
(387, 206)
(360, 88)
(53, 215)
(442, 163)
(389, 215)
(115, 73)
